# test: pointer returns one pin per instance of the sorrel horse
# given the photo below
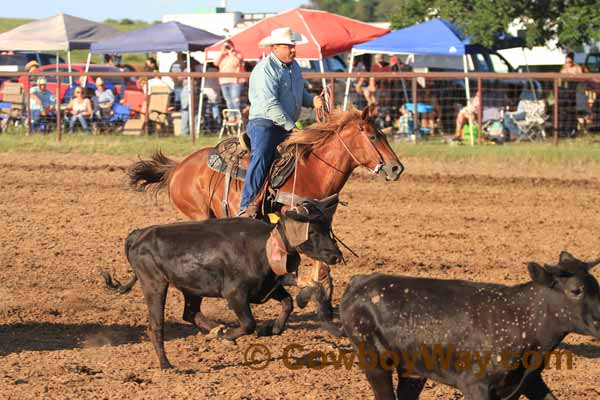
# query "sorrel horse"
(329, 152)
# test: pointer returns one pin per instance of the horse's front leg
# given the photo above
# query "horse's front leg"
(317, 281)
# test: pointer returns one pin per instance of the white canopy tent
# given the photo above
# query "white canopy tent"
(61, 32)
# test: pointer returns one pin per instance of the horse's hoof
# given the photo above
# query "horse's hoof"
(304, 296)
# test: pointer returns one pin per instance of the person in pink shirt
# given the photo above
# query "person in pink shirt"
(231, 61)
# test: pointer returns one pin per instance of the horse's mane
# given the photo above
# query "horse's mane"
(318, 133)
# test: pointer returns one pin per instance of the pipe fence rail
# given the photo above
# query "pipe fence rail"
(470, 107)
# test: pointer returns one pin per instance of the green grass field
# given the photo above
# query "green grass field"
(569, 152)
(79, 56)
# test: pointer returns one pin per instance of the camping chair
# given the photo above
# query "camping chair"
(134, 125)
(232, 119)
(159, 106)
(532, 127)
(422, 108)
(11, 106)
(119, 117)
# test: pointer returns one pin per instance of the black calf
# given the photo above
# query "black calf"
(405, 316)
(239, 259)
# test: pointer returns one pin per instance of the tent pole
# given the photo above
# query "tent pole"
(70, 70)
(190, 104)
(530, 81)
(348, 79)
(87, 65)
(200, 103)
(468, 93)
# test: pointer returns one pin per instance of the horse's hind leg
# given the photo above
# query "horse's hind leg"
(192, 313)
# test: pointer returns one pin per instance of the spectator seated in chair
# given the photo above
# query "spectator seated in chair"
(466, 116)
(42, 103)
(519, 115)
(103, 102)
(80, 110)
(429, 120)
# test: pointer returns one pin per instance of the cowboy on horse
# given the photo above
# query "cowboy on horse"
(315, 162)
(276, 93)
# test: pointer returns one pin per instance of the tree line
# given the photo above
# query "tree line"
(572, 22)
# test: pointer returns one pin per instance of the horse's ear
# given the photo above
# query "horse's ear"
(369, 112)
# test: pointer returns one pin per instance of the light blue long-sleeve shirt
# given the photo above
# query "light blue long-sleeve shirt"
(46, 97)
(277, 92)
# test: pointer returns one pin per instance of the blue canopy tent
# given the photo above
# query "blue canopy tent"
(436, 37)
(169, 36)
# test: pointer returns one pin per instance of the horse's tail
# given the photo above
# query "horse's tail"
(151, 174)
(113, 283)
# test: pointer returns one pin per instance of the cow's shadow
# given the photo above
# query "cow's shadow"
(45, 336)
(585, 350)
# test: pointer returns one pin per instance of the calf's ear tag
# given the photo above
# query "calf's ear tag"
(273, 218)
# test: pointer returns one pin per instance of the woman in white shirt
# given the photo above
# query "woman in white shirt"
(80, 108)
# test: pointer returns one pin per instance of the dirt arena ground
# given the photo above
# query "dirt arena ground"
(64, 217)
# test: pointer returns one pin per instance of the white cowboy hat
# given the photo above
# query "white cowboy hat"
(283, 36)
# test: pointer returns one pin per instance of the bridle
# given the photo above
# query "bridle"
(381, 162)
(322, 114)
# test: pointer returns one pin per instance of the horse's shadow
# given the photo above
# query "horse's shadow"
(45, 336)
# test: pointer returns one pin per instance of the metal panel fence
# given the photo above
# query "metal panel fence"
(475, 106)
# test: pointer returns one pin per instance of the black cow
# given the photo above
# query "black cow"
(512, 325)
(233, 259)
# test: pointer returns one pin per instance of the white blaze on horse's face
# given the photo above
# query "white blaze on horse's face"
(369, 148)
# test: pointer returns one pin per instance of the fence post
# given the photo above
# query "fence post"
(479, 112)
(555, 112)
(415, 110)
(191, 109)
(27, 88)
(58, 116)
(332, 98)
(147, 113)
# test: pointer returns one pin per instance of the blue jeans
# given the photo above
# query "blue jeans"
(232, 93)
(38, 120)
(264, 138)
(510, 124)
(73, 120)
(185, 122)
